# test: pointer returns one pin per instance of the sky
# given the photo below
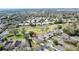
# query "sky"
(39, 3)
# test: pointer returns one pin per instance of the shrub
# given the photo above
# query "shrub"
(1, 47)
(55, 42)
(59, 27)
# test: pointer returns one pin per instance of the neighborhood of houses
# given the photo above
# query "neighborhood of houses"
(64, 35)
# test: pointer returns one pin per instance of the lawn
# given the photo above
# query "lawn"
(37, 29)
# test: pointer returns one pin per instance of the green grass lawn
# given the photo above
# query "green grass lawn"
(37, 29)
(19, 36)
